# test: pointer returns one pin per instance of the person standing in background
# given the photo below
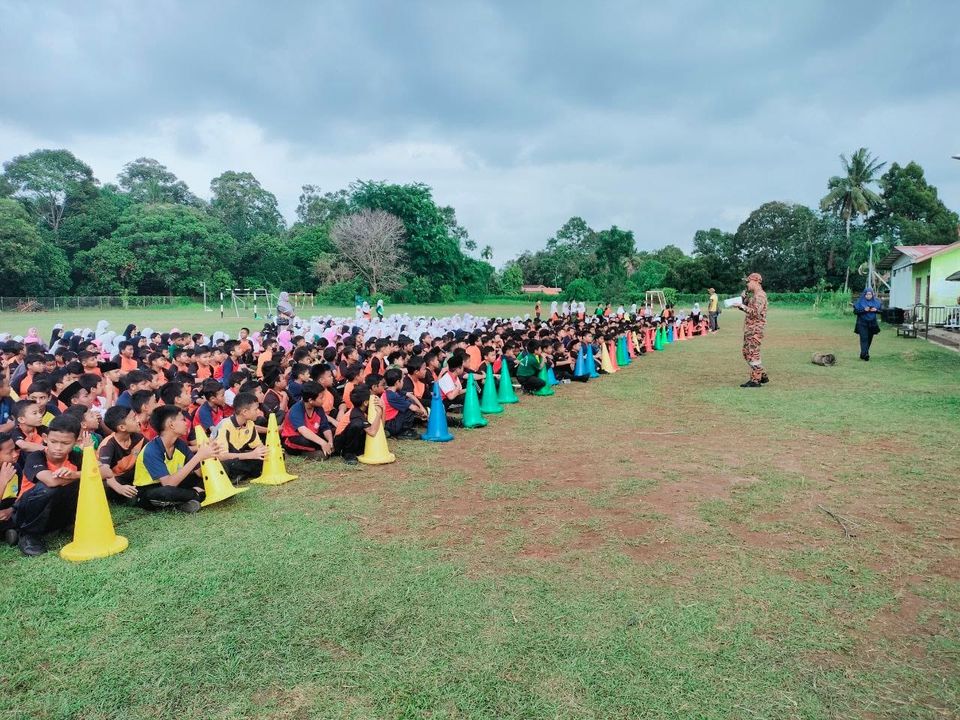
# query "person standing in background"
(755, 306)
(713, 310)
(866, 309)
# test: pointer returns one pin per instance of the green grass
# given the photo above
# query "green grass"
(193, 318)
(565, 562)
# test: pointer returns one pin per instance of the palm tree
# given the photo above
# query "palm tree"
(487, 253)
(849, 196)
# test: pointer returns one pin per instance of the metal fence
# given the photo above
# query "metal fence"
(38, 304)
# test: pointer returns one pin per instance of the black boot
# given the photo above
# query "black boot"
(751, 383)
(31, 545)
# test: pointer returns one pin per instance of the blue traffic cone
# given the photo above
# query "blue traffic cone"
(580, 369)
(552, 377)
(669, 333)
(437, 424)
(591, 363)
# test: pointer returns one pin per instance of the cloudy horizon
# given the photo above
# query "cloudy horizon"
(660, 120)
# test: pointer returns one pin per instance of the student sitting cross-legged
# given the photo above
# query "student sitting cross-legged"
(120, 449)
(400, 410)
(243, 452)
(305, 429)
(167, 471)
(48, 497)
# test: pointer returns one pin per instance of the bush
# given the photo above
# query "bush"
(421, 291)
(343, 293)
(446, 294)
(581, 289)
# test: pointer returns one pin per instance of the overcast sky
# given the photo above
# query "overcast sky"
(519, 114)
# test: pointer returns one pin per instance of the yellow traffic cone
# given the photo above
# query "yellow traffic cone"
(93, 534)
(274, 466)
(216, 482)
(605, 363)
(375, 449)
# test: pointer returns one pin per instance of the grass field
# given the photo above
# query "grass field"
(649, 545)
(193, 318)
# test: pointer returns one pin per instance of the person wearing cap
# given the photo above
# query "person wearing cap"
(755, 306)
(713, 310)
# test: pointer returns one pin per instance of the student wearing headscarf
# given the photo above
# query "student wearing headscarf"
(866, 308)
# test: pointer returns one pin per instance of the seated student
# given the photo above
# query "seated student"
(323, 376)
(415, 380)
(232, 388)
(35, 364)
(27, 435)
(270, 347)
(143, 403)
(528, 367)
(40, 392)
(299, 374)
(75, 394)
(400, 410)
(275, 399)
(48, 498)
(354, 428)
(167, 473)
(305, 429)
(126, 357)
(243, 452)
(231, 363)
(7, 421)
(451, 388)
(120, 449)
(135, 380)
(89, 425)
(9, 486)
(210, 410)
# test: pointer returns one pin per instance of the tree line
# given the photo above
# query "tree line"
(63, 232)
(794, 247)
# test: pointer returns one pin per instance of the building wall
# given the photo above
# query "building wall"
(901, 283)
(942, 291)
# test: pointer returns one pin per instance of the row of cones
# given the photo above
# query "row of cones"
(94, 534)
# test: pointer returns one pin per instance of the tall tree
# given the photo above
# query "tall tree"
(849, 195)
(19, 243)
(777, 240)
(911, 212)
(145, 180)
(614, 247)
(48, 179)
(243, 206)
(370, 242)
(316, 208)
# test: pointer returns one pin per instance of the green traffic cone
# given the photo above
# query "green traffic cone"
(505, 392)
(472, 417)
(622, 358)
(488, 400)
(546, 390)
(658, 339)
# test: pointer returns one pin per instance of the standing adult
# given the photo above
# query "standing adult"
(713, 310)
(866, 308)
(285, 311)
(754, 304)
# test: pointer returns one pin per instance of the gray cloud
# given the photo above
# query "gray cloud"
(663, 119)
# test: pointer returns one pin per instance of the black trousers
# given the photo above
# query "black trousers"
(157, 496)
(866, 340)
(530, 382)
(243, 469)
(714, 320)
(401, 423)
(350, 442)
(45, 509)
(7, 524)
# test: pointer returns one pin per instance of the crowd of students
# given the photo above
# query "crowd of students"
(139, 398)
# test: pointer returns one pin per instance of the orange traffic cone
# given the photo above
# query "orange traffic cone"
(93, 533)
(678, 335)
(274, 467)
(631, 338)
(613, 356)
(216, 482)
(648, 339)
